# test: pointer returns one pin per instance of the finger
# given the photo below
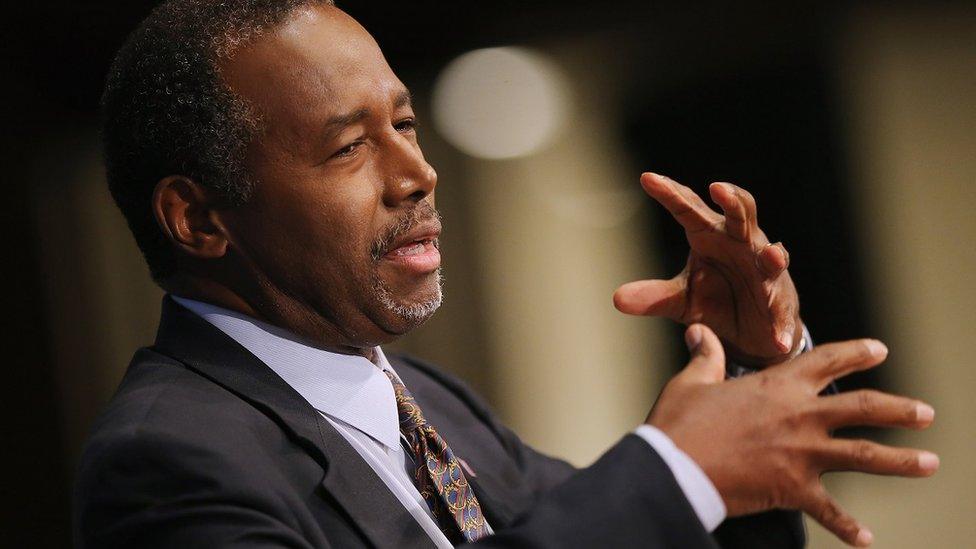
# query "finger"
(773, 259)
(870, 457)
(691, 196)
(830, 361)
(749, 202)
(825, 510)
(875, 409)
(707, 364)
(784, 337)
(653, 297)
(685, 206)
(737, 221)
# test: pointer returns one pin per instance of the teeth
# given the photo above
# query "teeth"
(411, 249)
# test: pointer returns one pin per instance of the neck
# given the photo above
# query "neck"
(283, 313)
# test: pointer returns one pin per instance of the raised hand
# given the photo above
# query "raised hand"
(735, 280)
(764, 439)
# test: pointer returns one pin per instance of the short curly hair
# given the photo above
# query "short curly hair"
(166, 110)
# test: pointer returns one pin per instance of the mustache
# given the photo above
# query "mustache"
(421, 213)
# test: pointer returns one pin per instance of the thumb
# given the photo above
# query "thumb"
(707, 363)
(652, 298)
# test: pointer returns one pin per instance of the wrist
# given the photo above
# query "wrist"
(799, 343)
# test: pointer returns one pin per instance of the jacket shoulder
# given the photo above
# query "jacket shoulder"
(159, 393)
(173, 418)
(176, 457)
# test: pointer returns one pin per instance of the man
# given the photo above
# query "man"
(266, 159)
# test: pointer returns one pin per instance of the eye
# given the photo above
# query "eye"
(406, 125)
(348, 150)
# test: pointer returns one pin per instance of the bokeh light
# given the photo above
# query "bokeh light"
(498, 103)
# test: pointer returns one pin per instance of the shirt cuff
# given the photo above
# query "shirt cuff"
(698, 489)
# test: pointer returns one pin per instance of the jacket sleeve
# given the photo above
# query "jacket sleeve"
(629, 476)
(627, 498)
(665, 508)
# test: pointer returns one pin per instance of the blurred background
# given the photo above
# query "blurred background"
(853, 123)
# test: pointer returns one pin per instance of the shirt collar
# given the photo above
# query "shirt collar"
(349, 388)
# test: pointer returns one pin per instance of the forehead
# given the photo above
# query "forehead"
(320, 62)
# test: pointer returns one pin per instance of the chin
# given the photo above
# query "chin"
(406, 313)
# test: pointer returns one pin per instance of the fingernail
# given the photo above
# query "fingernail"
(876, 348)
(693, 337)
(928, 462)
(924, 413)
(786, 341)
(659, 176)
(864, 538)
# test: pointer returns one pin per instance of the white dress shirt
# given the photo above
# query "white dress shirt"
(357, 398)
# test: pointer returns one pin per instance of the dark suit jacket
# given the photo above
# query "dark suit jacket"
(205, 446)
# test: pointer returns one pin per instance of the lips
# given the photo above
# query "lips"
(425, 232)
(417, 249)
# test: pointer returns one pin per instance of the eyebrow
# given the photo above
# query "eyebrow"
(335, 124)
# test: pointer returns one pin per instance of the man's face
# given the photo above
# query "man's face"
(341, 226)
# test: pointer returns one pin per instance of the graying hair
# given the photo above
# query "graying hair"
(167, 111)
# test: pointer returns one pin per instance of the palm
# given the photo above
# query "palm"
(734, 281)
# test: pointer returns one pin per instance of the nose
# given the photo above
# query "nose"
(409, 177)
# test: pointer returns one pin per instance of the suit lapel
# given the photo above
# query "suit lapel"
(354, 485)
(498, 513)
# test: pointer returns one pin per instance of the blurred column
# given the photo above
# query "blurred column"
(558, 233)
(912, 77)
(100, 302)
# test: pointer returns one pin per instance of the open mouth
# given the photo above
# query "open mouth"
(419, 255)
(416, 247)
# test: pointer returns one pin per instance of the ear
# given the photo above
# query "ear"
(185, 212)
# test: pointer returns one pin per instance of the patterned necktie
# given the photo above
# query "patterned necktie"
(438, 476)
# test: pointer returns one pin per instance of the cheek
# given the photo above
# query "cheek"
(321, 226)
(341, 221)
(313, 220)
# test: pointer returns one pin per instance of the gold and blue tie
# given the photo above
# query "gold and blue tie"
(438, 475)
